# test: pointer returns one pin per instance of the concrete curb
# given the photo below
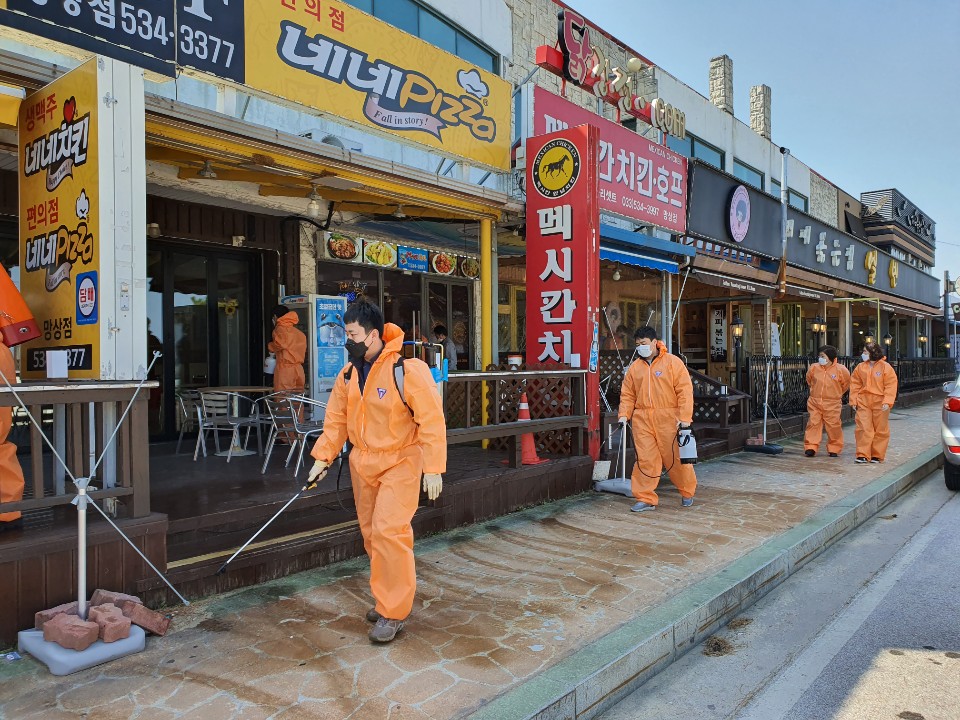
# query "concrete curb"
(601, 674)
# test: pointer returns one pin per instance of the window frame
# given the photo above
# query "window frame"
(694, 141)
(749, 168)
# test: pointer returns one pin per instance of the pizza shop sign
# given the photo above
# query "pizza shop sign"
(581, 62)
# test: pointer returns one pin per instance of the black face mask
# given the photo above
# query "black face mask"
(356, 350)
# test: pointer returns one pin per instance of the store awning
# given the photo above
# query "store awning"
(809, 293)
(10, 98)
(636, 259)
(734, 283)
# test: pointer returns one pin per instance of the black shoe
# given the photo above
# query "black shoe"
(809, 453)
(861, 461)
(876, 460)
(834, 454)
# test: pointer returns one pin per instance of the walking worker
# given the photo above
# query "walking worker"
(873, 390)
(828, 381)
(657, 399)
(398, 435)
(289, 344)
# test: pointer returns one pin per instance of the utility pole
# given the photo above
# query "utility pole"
(946, 309)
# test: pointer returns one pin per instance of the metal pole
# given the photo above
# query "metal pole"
(946, 303)
(81, 503)
(784, 200)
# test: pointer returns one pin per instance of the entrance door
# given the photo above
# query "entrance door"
(204, 314)
(448, 304)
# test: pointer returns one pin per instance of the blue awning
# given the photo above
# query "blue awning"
(637, 259)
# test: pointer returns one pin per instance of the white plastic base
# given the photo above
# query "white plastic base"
(621, 486)
(63, 661)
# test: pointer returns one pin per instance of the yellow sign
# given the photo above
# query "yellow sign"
(893, 272)
(59, 221)
(870, 265)
(346, 63)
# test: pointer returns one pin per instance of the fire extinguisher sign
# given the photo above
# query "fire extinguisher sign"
(87, 300)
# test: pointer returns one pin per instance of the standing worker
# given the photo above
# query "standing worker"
(290, 347)
(657, 398)
(398, 434)
(11, 474)
(873, 390)
(828, 381)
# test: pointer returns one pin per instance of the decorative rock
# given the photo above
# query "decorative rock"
(102, 597)
(44, 616)
(112, 622)
(146, 618)
(71, 632)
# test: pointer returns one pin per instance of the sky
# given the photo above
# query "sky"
(865, 92)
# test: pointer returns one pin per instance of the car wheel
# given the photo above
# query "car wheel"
(951, 476)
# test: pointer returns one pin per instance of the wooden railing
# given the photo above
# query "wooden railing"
(79, 418)
(714, 402)
(557, 401)
(788, 379)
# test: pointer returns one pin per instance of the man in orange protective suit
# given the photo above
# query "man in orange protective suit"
(11, 474)
(828, 381)
(873, 389)
(657, 399)
(397, 437)
(290, 347)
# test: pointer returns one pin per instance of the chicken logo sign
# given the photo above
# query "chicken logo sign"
(556, 168)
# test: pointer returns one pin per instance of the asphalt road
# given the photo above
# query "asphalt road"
(870, 629)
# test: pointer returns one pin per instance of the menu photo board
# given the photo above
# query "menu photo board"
(342, 246)
(470, 268)
(412, 259)
(380, 253)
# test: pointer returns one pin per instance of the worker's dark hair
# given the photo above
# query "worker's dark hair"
(440, 330)
(366, 314)
(874, 350)
(829, 350)
(280, 310)
(646, 332)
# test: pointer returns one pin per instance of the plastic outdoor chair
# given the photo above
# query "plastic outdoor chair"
(300, 408)
(277, 409)
(219, 412)
(187, 403)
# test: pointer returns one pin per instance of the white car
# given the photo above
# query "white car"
(950, 434)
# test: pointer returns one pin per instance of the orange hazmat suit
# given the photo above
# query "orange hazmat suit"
(656, 396)
(290, 347)
(11, 474)
(392, 449)
(827, 385)
(873, 385)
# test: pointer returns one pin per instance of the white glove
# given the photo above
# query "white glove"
(317, 473)
(623, 421)
(884, 407)
(432, 485)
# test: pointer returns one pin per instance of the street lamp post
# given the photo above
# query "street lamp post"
(819, 325)
(737, 327)
(922, 339)
(887, 339)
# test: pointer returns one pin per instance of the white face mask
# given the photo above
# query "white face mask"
(865, 357)
(645, 351)
(823, 361)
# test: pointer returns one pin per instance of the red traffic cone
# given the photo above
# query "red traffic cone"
(528, 445)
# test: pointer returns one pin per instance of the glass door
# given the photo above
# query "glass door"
(204, 314)
(449, 304)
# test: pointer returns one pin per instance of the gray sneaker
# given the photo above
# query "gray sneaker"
(385, 630)
(642, 507)
(686, 502)
(373, 615)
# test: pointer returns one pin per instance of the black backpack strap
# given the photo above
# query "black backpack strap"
(399, 376)
(347, 375)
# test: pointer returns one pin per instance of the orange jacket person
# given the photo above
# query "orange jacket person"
(828, 381)
(290, 347)
(657, 398)
(395, 439)
(11, 474)
(873, 390)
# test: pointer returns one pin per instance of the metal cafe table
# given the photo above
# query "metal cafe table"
(236, 391)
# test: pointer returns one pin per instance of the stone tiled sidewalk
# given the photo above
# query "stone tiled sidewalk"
(497, 603)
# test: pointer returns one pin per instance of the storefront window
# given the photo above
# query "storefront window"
(351, 282)
(630, 302)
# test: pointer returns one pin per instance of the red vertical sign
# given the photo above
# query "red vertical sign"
(563, 257)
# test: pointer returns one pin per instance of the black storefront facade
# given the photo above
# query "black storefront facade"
(839, 288)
